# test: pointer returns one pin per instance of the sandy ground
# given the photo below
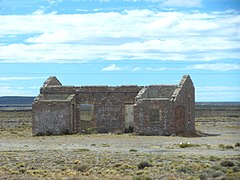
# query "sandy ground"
(111, 156)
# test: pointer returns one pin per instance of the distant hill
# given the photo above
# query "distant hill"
(217, 103)
(23, 100)
(16, 100)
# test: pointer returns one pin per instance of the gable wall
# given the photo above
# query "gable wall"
(185, 98)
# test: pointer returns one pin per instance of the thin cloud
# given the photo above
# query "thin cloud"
(181, 3)
(216, 67)
(156, 69)
(19, 78)
(112, 67)
(15, 91)
(136, 69)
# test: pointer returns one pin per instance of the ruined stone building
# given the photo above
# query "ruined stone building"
(149, 110)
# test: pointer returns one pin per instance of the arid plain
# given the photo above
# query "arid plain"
(214, 152)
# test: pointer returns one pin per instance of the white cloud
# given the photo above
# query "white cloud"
(38, 12)
(182, 3)
(54, 37)
(157, 69)
(135, 34)
(136, 69)
(216, 67)
(16, 91)
(54, 1)
(19, 78)
(112, 67)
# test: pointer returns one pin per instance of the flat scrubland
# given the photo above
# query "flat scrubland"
(215, 154)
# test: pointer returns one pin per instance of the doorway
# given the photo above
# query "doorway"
(129, 118)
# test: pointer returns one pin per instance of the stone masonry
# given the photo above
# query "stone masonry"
(150, 110)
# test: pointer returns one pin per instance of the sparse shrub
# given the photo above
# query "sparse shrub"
(229, 147)
(81, 167)
(142, 177)
(89, 131)
(237, 144)
(117, 165)
(227, 163)
(214, 158)
(83, 150)
(185, 169)
(144, 164)
(182, 169)
(133, 150)
(217, 174)
(218, 168)
(105, 145)
(236, 169)
(186, 145)
(76, 162)
(222, 146)
(203, 176)
(22, 170)
(20, 165)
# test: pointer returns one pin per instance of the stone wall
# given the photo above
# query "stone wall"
(51, 118)
(109, 106)
(156, 109)
(171, 106)
(160, 91)
(151, 117)
(184, 96)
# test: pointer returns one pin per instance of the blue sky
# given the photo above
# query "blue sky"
(121, 42)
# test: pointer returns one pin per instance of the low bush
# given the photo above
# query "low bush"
(81, 167)
(144, 164)
(186, 145)
(89, 131)
(229, 147)
(222, 146)
(83, 150)
(237, 144)
(133, 150)
(227, 163)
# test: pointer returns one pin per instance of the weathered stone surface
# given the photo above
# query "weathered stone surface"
(52, 81)
(156, 109)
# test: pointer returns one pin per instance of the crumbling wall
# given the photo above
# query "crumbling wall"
(51, 117)
(151, 117)
(109, 105)
(160, 91)
(158, 109)
(184, 104)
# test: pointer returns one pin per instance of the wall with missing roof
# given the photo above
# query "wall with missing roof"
(52, 118)
(184, 107)
(165, 110)
(151, 117)
(155, 110)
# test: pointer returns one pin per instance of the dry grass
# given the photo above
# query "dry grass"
(103, 156)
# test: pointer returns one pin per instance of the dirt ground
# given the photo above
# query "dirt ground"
(215, 155)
